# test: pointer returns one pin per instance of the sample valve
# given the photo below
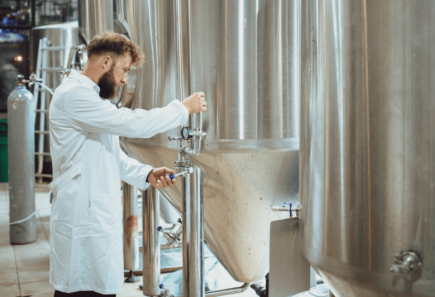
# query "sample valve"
(288, 207)
(172, 234)
(165, 292)
(406, 263)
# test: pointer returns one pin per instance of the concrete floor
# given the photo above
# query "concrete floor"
(24, 269)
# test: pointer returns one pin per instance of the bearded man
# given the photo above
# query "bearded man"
(86, 257)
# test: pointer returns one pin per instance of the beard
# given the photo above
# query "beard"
(107, 84)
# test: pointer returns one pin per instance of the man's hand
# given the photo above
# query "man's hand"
(158, 178)
(195, 103)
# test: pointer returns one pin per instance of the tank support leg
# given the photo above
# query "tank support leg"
(131, 243)
(151, 242)
(193, 235)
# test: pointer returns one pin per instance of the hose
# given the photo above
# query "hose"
(42, 85)
(23, 220)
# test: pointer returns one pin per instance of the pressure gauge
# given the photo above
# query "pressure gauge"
(185, 133)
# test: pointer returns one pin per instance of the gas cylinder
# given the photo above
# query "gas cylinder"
(21, 154)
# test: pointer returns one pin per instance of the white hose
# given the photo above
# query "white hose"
(20, 221)
(42, 85)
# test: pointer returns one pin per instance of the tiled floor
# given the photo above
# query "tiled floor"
(24, 269)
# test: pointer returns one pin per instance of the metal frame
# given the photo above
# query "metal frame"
(41, 73)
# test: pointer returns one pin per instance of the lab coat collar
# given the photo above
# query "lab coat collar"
(84, 79)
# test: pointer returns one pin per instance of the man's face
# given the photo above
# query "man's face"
(115, 77)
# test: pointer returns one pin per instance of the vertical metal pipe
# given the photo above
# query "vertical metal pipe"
(131, 240)
(151, 242)
(193, 236)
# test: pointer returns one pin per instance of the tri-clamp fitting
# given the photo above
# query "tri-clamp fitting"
(165, 292)
(172, 233)
(32, 79)
(406, 263)
(288, 207)
(193, 137)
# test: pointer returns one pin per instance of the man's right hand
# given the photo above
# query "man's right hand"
(158, 178)
(195, 103)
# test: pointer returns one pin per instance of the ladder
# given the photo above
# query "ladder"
(45, 52)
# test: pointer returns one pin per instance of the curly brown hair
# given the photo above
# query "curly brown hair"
(115, 44)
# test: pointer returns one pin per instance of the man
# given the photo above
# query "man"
(86, 218)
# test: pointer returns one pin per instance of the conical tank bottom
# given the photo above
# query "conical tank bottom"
(242, 181)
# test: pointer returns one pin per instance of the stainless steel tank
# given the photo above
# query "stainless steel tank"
(243, 55)
(58, 35)
(95, 17)
(367, 145)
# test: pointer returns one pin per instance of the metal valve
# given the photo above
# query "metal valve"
(288, 207)
(32, 79)
(165, 292)
(406, 263)
(172, 234)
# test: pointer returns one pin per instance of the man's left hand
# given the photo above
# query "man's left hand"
(158, 178)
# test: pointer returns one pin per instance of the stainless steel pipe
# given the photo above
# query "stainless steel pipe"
(193, 235)
(131, 241)
(151, 242)
(230, 291)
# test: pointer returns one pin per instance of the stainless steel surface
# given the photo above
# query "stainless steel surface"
(59, 36)
(193, 235)
(151, 242)
(131, 238)
(242, 54)
(95, 17)
(367, 143)
(405, 264)
(289, 272)
(81, 52)
(21, 159)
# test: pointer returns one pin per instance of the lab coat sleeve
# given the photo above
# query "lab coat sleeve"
(134, 172)
(86, 111)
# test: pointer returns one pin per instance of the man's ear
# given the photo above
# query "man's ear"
(107, 62)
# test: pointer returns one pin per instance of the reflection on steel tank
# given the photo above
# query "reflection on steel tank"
(368, 145)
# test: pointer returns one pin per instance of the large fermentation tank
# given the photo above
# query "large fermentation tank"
(95, 17)
(58, 35)
(243, 55)
(367, 144)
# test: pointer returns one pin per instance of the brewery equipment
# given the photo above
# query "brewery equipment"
(367, 146)
(48, 54)
(242, 54)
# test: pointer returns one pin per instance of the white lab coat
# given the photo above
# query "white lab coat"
(86, 214)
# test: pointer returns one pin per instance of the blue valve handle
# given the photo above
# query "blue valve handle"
(161, 286)
(291, 213)
(159, 228)
(173, 176)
